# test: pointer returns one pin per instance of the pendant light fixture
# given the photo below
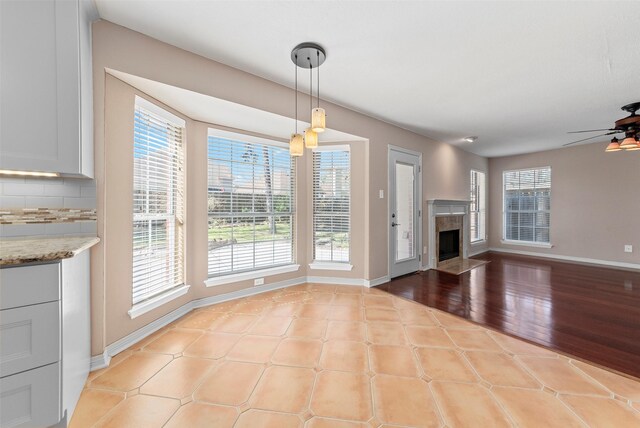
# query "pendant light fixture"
(310, 136)
(308, 56)
(318, 116)
(296, 144)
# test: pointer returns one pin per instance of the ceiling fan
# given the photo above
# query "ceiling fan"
(629, 125)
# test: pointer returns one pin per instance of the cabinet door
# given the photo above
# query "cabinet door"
(31, 398)
(39, 86)
(29, 337)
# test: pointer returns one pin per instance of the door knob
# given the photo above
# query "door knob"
(394, 224)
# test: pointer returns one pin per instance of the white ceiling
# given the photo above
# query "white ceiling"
(225, 113)
(517, 74)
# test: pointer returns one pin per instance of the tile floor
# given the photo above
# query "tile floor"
(320, 356)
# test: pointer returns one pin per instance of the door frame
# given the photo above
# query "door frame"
(390, 257)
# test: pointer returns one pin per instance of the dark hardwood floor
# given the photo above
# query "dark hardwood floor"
(592, 313)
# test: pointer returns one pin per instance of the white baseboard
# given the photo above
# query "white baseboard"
(378, 281)
(585, 260)
(349, 281)
(101, 361)
(206, 301)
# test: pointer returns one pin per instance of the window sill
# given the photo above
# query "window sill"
(480, 242)
(236, 277)
(527, 243)
(157, 301)
(330, 266)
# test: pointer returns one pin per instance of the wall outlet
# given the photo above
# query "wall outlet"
(258, 281)
(628, 248)
(381, 194)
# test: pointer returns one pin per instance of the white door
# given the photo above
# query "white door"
(404, 212)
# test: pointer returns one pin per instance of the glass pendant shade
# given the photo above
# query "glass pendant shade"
(296, 145)
(310, 138)
(318, 121)
(634, 148)
(614, 146)
(628, 143)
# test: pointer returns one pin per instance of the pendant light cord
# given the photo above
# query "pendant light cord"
(318, 53)
(296, 92)
(310, 84)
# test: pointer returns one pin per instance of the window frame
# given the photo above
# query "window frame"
(482, 212)
(504, 239)
(323, 264)
(260, 271)
(174, 291)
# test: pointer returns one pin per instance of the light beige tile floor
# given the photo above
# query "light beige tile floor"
(318, 356)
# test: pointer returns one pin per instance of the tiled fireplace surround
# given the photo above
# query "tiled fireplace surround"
(444, 224)
(447, 215)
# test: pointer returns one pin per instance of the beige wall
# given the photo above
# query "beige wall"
(446, 173)
(595, 201)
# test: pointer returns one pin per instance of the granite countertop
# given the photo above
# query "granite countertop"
(29, 250)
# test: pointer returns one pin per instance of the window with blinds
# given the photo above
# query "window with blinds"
(477, 207)
(331, 203)
(250, 203)
(158, 201)
(527, 205)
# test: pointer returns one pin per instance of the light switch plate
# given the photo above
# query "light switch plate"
(258, 281)
(381, 194)
(628, 248)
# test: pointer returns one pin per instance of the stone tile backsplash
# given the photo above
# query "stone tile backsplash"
(50, 193)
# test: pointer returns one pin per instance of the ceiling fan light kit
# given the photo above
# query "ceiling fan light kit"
(308, 56)
(614, 146)
(629, 142)
(629, 125)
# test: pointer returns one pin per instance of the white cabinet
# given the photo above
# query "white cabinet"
(44, 341)
(46, 107)
(31, 399)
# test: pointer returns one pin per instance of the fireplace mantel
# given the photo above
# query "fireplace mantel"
(445, 208)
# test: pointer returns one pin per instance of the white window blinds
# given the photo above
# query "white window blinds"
(331, 203)
(158, 201)
(527, 204)
(250, 204)
(477, 207)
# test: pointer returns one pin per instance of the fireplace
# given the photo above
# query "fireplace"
(448, 232)
(448, 245)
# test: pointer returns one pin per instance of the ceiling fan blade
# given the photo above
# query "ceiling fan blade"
(591, 138)
(590, 130)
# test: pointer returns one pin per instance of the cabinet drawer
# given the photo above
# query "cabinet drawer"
(29, 337)
(29, 285)
(31, 398)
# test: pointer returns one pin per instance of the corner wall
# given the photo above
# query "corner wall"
(595, 202)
